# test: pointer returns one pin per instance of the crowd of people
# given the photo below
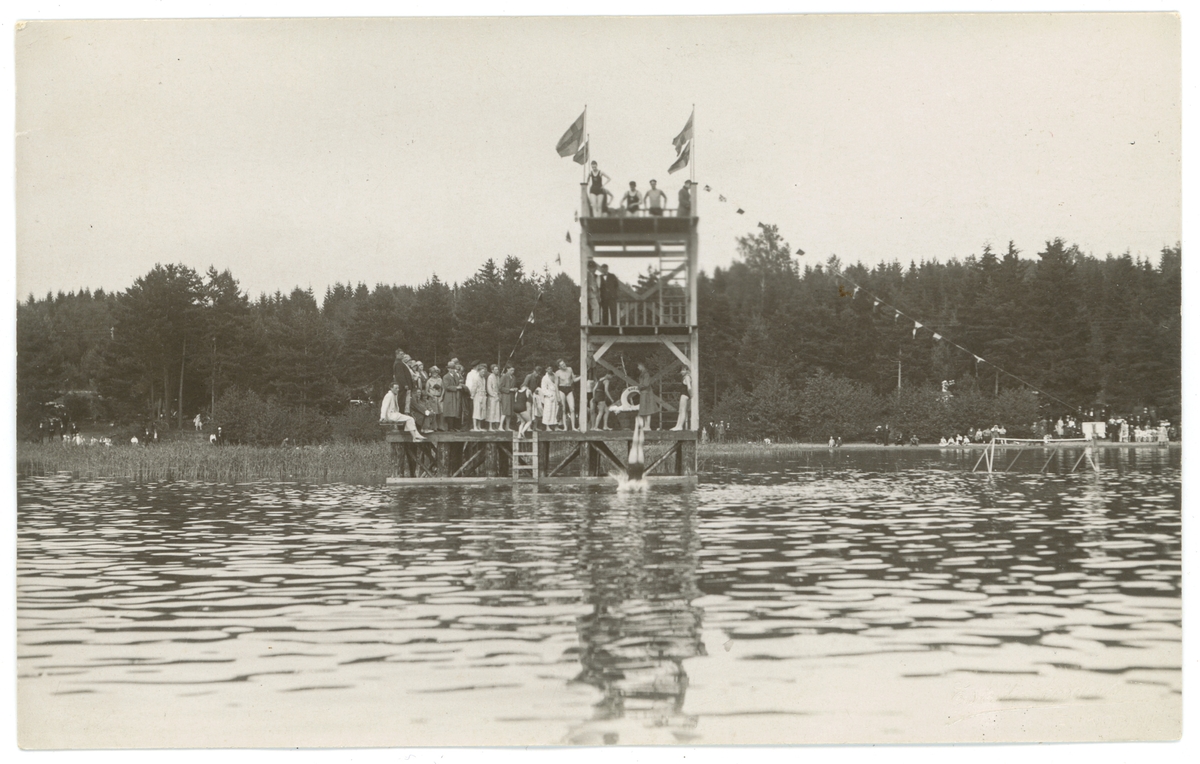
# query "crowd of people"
(486, 398)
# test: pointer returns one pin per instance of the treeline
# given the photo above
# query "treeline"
(1083, 330)
(1070, 330)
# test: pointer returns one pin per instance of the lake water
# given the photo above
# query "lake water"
(875, 596)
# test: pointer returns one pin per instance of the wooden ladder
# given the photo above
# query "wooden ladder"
(525, 458)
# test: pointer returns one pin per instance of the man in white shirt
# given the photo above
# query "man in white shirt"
(390, 412)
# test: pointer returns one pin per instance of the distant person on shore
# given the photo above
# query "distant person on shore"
(597, 193)
(199, 422)
(685, 200)
(390, 412)
(632, 200)
(655, 199)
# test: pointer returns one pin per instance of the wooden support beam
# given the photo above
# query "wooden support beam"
(468, 463)
(491, 460)
(570, 458)
(661, 458)
(603, 448)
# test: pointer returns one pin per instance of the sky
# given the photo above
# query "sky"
(306, 152)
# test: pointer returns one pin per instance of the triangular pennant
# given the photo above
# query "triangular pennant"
(876, 305)
(978, 359)
(856, 291)
(568, 237)
(707, 187)
(916, 325)
(531, 320)
(720, 197)
(896, 317)
(741, 211)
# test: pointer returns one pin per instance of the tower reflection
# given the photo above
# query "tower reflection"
(638, 558)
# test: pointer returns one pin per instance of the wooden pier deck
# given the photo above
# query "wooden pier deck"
(542, 458)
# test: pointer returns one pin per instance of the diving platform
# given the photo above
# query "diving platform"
(542, 457)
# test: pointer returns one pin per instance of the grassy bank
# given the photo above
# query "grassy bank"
(344, 462)
(351, 462)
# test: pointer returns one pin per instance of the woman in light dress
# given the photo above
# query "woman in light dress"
(493, 398)
(549, 396)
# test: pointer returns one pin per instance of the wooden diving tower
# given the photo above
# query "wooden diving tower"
(660, 312)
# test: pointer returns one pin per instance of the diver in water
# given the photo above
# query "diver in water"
(636, 468)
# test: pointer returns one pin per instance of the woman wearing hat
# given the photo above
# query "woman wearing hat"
(452, 399)
(435, 391)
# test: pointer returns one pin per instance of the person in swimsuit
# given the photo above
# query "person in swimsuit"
(597, 193)
(636, 467)
(632, 201)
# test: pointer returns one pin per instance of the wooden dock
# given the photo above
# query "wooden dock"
(541, 458)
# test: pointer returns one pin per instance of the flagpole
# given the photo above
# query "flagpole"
(693, 162)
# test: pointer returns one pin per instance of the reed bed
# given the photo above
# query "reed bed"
(341, 462)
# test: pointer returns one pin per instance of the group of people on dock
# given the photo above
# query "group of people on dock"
(633, 202)
(487, 398)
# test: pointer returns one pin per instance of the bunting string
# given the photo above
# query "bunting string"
(938, 337)
(530, 321)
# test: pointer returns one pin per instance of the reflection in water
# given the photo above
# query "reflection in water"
(833, 593)
(638, 558)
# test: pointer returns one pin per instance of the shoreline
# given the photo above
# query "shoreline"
(742, 447)
(364, 462)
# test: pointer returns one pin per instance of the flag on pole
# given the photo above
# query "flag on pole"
(856, 291)
(682, 160)
(937, 336)
(581, 156)
(572, 140)
(685, 135)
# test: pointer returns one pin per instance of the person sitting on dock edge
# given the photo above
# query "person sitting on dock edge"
(389, 413)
